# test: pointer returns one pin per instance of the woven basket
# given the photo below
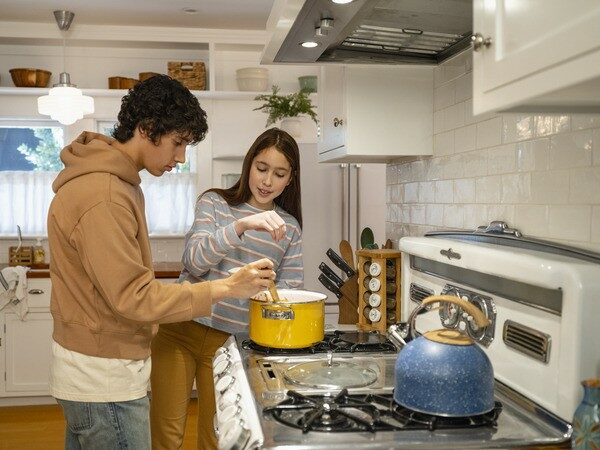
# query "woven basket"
(191, 74)
(20, 256)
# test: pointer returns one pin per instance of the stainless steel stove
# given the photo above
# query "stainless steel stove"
(272, 399)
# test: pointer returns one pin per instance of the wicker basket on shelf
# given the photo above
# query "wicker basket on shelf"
(20, 256)
(191, 74)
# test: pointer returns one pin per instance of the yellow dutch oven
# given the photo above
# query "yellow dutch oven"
(297, 321)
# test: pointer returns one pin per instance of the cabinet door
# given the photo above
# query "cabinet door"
(537, 47)
(28, 352)
(332, 109)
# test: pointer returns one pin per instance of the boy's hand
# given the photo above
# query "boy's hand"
(248, 280)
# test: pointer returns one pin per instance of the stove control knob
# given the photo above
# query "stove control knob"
(218, 360)
(233, 435)
(221, 350)
(227, 399)
(229, 413)
(222, 367)
(224, 383)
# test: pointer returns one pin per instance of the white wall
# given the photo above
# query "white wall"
(539, 173)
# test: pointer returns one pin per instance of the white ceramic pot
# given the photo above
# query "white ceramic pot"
(292, 125)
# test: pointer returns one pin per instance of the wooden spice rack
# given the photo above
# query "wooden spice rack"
(387, 287)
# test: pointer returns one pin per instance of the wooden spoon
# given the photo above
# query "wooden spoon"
(273, 292)
(347, 253)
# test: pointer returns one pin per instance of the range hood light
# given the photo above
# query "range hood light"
(309, 44)
(342, 2)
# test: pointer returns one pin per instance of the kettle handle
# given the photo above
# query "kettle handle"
(480, 319)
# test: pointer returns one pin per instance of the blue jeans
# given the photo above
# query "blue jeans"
(107, 426)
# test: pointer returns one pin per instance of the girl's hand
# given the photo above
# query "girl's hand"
(268, 221)
(251, 278)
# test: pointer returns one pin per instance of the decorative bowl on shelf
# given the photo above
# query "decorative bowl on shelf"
(308, 83)
(26, 77)
(253, 79)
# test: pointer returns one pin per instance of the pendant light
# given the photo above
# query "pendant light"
(65, 103)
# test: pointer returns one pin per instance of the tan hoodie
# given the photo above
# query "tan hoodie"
(104, 295)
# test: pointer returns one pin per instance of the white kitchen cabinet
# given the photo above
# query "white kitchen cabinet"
(25, 349)
(375, 113)
(536, 56)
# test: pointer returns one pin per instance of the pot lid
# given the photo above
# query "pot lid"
(330, 375)
(290, 296)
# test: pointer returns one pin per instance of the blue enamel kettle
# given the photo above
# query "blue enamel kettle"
(443, 372)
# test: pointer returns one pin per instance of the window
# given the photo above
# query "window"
(29, 161)
(170, 199)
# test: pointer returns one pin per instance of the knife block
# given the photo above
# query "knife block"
(378, 288)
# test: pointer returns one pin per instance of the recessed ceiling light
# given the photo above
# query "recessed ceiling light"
(342, 2)
(309, 44)
(190, 11)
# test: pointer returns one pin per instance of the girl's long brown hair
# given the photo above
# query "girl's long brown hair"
(289, 199)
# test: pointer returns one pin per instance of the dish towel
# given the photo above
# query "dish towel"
(13, 290)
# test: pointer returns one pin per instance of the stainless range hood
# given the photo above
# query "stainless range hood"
(369, 31)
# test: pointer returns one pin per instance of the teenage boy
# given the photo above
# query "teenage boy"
(105, 300)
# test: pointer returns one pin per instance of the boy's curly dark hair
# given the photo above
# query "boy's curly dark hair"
(161, 105)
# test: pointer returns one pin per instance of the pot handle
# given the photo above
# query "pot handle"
(480, 319)
(277, 311)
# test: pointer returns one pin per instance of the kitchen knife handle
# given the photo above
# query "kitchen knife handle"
(329, 285)
(331, 274)
(339, 262)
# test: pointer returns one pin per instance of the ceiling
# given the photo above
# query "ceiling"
(227, 14)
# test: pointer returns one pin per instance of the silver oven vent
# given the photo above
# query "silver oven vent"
(527, 340)
(419, 293)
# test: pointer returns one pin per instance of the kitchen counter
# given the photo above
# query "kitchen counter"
(162, 269)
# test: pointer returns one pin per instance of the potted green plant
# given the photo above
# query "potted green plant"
(286, 108)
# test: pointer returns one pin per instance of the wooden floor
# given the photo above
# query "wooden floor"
(43, 427)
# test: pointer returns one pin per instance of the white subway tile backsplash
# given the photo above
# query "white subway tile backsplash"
(438, 121)
(475, 215)
(426, 192)
(488, 189)
(411, 192)
(505, 213)
(434, 215)
(464, 190)
(546, 125)
(443, 96)
(444, 191)
(570, 222)
(550, 187)
(571, 150)
(502, 159)
(476, 163)
(596, 147)
(532, 155)
(539, 173)
(516, 187)
(489, 133)
(454, 216)
(465, 138)
(585, 186)
(417, 214)
(391, 174)
(516, 127)
(532, 219)
(454, 167)
(443, 143)
(596, 224)
(582, 121)
(464, 87)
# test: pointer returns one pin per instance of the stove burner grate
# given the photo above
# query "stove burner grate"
(371, 412)
(336, 341)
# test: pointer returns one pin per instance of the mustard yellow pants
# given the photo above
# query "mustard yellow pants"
(182, 352)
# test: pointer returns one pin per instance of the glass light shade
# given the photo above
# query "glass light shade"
(65, 104)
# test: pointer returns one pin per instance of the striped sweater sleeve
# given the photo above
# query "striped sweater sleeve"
(206, 243)
(290, 273)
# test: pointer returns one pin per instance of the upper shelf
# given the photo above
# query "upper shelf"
(216, 95)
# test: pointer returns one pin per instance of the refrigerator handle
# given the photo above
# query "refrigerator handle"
(357, 167)
(344, 170)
